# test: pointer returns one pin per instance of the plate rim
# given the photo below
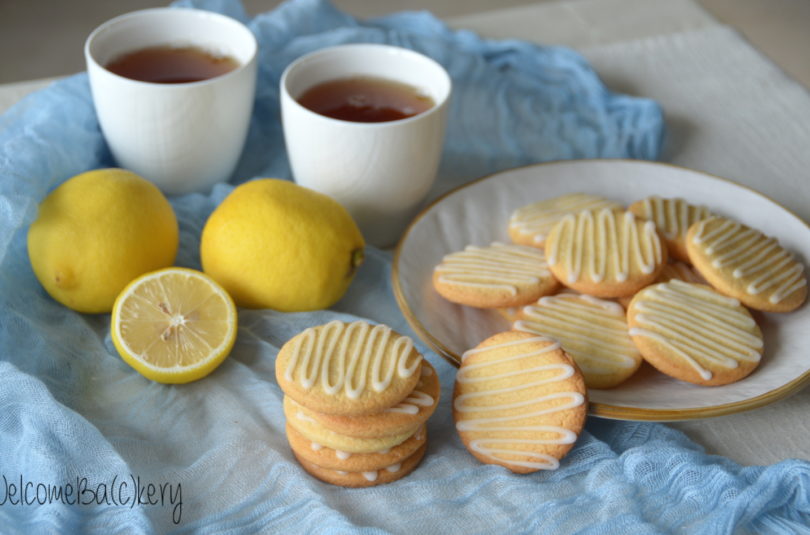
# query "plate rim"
(602, 410)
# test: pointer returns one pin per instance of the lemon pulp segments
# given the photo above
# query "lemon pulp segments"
(174, 325)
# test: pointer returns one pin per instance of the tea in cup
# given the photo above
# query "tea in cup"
(365, 123)
(173, 89)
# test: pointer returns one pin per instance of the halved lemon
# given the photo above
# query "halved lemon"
(174, 325)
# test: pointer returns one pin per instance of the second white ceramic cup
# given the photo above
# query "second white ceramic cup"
(183, 137)
(380, 172)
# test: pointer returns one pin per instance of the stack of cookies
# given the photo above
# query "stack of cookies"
(357, 397)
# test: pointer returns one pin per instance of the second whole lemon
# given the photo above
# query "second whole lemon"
(274, 244)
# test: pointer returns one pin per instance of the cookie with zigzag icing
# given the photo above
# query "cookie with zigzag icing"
(672, 218)
(744, 263)
(519, 402)
(695, 334)
(591, 331)
(348, 368)
(495, 276)
(605, 253)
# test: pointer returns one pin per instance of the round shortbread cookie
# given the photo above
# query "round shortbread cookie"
(591, 331)
(409, 413)
(302, 420)
(693, 333)
(499, 275)
(345, 478)
(530, 224)
(352, 462)
(672, 218)
(744, 263)
(519, 402)
(348, 368)
(605, 253)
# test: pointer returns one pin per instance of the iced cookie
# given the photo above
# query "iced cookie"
(411, 412)
(371, 478)
(744, 263)
(302, 420)
(326, 457)
(530, 224)
(672, 218)
(348, 368)
(693, 333)
(605, 253)
(500, 275)
(519, 402)
(591, 331)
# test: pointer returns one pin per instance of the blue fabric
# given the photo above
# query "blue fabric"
(75, 419)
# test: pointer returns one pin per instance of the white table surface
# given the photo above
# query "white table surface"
(730, 112)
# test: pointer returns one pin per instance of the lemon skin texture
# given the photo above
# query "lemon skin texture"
(98, 231)
(274, 244)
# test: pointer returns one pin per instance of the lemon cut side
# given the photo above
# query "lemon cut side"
(175, 325)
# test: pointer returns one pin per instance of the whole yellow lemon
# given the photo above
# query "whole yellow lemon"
(274, 244)
(96, 232)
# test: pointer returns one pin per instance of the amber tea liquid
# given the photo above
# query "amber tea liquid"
(171, 65)
(365, 100)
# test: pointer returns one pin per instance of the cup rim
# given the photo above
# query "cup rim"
(90, 58)
(436, 108)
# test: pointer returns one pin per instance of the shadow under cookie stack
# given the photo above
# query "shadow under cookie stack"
(357, 398)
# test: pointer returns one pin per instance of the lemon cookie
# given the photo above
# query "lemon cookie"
(407, 414)
(371, 478)
(348, 368)
(302, 420)
(499, 275)
(326, 457)
(744, 263)
(672, 218)
(693, 333)
(519, 402)
(591, 331)
(530, 224)
(605, 253)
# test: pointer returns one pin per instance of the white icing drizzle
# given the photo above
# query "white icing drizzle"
(341, 472)
(753, 257)
(315, 446)
(537, 219)
(499, 266)
(371, 476)
(605, 238)
(394, 467)
(342, 455)
(501, 401)
(301, 416)
(411, 404)
(386, 451)
(592, 331)
(698, 325)
(672, 217)
(349, 353)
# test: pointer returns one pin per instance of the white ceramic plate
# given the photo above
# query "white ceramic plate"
(478, 214)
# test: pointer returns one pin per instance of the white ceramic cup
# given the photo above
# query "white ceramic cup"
(380, 172)
(184, 137)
